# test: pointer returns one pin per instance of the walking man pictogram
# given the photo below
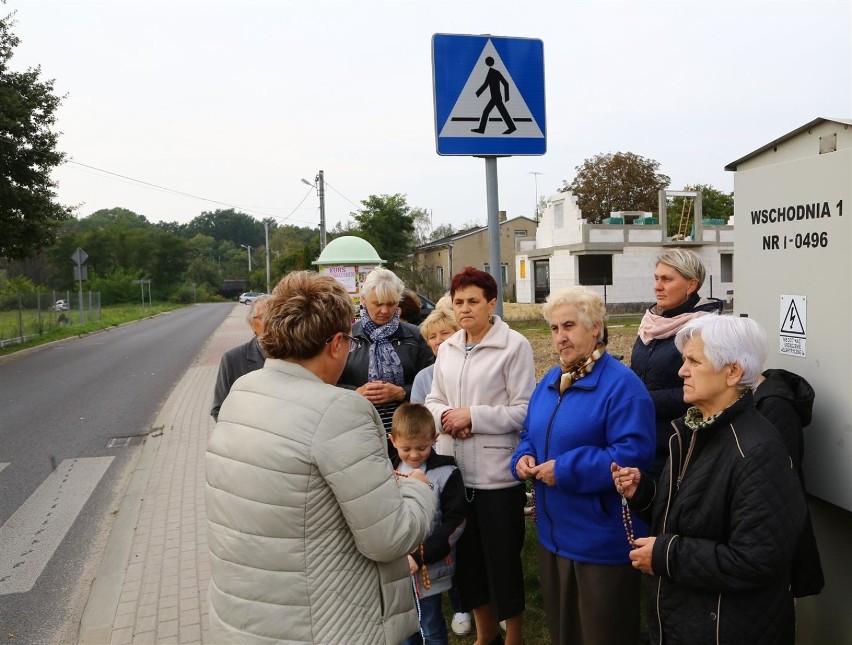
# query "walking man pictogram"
(493, 80)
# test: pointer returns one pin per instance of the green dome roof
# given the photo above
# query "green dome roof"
(348, 250)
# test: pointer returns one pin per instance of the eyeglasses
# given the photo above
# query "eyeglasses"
(354, 343)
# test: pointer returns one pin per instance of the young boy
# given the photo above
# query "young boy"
(433, 562)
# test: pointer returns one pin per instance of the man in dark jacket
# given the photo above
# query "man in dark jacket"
(243, 359)
(786, 400)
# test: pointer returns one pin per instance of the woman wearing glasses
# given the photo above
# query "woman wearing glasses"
(307, 526)
(389, 352)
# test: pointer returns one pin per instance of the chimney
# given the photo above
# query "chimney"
(502, 215)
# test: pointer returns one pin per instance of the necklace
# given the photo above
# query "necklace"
(427, 584)
(469, 500)
(627, 521)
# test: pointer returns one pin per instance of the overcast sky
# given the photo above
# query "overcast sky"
(235, 102)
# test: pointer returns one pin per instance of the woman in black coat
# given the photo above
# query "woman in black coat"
(678, 276)
(728, 510)
(391, 352)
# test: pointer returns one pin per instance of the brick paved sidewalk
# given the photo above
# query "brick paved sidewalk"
(151, 586)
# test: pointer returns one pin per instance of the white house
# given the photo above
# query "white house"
(617, 258)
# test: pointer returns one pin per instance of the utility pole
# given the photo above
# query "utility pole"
(319, 184)
(536, 174)
(321, 191)
(266, 231)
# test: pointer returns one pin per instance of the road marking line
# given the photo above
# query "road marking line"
(3, 465)
(31, 536)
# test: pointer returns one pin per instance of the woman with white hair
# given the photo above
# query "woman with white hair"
(587, 412)
(391, 352)
(728, 509)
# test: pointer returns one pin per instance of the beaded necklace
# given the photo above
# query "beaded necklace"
(456, 445)
(627, 521)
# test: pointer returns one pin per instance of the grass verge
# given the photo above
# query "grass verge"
(46, 329)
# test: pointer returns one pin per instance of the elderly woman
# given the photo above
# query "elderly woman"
(587, 412)
(678, 276)
(728, 510)
(302, 502)
(482, 383)
(390, 351)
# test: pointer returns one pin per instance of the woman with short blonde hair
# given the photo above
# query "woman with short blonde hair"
(298, 481)
(678, 276)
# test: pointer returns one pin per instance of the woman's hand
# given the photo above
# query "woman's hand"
(457, 423)
(377, 392)
(412, 566)
(546, 472)
(524, 469)
(419, 476)
(642, 555)
(626, 480)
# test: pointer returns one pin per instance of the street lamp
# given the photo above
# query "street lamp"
(248, 248)
(536, 174)
(320, 186)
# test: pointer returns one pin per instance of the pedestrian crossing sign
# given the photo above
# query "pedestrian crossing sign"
(489, 95)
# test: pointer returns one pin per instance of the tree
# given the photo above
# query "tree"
(442, 231)
(386, 221)
(714, 205)
(228, 224)
(616, 182)
(29, 214)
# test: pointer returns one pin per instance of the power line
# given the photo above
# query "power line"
(185, 194)
(342, 195)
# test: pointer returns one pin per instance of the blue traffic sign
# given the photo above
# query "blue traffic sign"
(489, 95)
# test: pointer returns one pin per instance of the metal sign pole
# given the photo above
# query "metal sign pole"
(494, 229)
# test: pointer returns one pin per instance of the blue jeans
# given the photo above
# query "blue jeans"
(431, 622)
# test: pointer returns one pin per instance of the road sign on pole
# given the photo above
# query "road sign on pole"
(489, 95)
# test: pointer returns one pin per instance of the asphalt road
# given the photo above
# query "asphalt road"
(59, 482)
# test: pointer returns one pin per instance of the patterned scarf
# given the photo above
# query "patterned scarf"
(578, 369)
(694, 418)
(384, 361)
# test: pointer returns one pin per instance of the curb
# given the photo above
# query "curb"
(99, 614)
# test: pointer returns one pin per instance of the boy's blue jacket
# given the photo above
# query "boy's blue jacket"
(607, 416)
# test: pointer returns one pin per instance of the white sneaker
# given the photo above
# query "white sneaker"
(461, 624)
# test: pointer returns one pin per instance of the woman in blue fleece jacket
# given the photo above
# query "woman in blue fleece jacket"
(585, 414)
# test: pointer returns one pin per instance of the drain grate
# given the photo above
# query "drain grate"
(123, 442)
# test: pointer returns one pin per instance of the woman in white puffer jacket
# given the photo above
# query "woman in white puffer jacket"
(308, 529)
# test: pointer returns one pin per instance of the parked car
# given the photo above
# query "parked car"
(249, 296)
(60, 305)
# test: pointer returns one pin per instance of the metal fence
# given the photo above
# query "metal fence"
(27, 315)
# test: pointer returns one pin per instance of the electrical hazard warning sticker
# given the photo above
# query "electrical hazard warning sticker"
(793, 329)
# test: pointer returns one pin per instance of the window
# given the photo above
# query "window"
(727, 266)
(519, 232)
(504, 272)
(595, 269)
(558, 215)
(439, 275)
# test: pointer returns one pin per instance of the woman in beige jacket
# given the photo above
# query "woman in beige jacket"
(308, 529)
